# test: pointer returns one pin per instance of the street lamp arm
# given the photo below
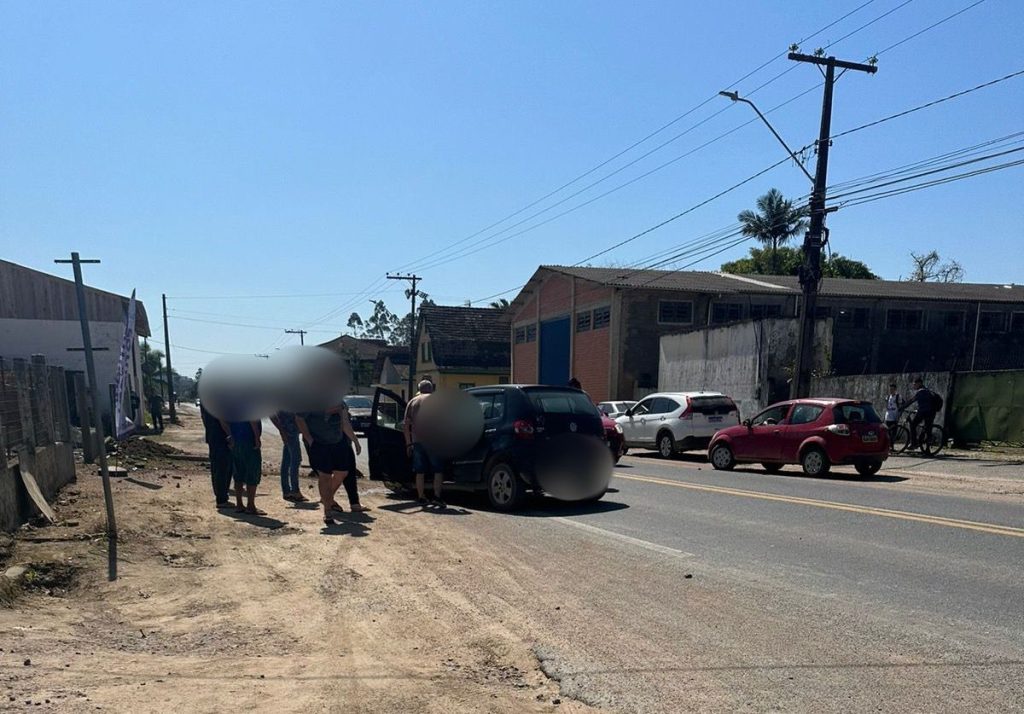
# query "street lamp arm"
(735, 96)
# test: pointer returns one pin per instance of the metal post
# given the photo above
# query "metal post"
(300, 333)
(810, 272)
(90, 369)
(171, 413)
(412, 329)
(977, 326)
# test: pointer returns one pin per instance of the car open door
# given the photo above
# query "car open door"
(385, 439)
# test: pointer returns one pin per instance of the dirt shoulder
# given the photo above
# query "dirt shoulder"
(214, 610)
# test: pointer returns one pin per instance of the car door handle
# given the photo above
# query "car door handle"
(490, 431)
(662, 419)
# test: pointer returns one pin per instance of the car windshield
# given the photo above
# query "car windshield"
(862, 412)
(358, 403)
(551, 401)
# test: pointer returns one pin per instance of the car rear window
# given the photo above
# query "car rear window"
(358, 403)
(863, 412)
(712, 406)
(551, 401)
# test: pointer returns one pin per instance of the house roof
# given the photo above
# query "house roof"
(27, 294)
(399, 358)
(366, 349)
(467, 337)
(727, 283)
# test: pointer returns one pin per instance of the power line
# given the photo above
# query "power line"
(264, 297)
(930, 27)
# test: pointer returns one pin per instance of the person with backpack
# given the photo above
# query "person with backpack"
(928, 405)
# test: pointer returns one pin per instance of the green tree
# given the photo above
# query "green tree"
(152, 369)
(787, 261)
(775, 222)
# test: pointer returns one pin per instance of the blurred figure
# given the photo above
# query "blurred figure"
(220, 457)
(422, 460)
(291, 456)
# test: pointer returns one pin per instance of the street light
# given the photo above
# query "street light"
(735, 96)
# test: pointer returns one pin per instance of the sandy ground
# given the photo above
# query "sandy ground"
(216, 611)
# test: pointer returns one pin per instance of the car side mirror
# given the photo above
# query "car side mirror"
(746, 423)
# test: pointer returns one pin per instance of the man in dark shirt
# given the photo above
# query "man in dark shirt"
(220, 457)
(156, 405)
(925, 400)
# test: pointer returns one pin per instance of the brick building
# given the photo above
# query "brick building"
(603, 325)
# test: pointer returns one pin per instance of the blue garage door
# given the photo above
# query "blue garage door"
(554, 351)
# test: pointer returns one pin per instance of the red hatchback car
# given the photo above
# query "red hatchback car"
(815, 433)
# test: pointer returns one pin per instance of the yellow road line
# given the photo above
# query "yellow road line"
(868, 510)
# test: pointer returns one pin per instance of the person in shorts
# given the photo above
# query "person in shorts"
(329, 453)
(422, 460)
(247, 462)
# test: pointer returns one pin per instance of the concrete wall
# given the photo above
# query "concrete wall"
(750, 361)
(53, 467)
(51, 338)
(875, 387)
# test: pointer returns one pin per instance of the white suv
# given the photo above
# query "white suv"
(671, 422)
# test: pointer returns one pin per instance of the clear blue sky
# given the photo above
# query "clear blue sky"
(257, 148)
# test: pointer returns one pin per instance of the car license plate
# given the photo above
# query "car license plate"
(870, 437)
(714, 418)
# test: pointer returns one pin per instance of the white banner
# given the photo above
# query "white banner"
(123, 424)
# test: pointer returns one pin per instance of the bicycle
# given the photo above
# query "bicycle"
(929, 445)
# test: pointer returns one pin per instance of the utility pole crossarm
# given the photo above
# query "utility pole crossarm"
(300, 333)
(826, 61)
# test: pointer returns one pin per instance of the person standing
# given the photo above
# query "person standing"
(329, 455)
(156, 405)
(928, 403)
(893, 406)
(351, 441)
(291, 456)
(220, 457)
(422, 460)
(247, 462)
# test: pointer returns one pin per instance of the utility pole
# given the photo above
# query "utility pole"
(300, 333)
(90, 370)
(412, 278)
(810, 272)
(171, 413)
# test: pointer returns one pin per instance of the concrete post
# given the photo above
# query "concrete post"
(82, 402)
(44, 406)
(23, 386)
(62, 410)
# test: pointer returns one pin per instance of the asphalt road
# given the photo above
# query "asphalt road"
(691, 589)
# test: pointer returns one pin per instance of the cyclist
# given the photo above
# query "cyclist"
(927, 404)
(893, 406)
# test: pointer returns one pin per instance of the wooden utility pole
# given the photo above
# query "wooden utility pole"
(412, 278)
(300, 333)
(810, 271)
(171, 412)
(90, 370)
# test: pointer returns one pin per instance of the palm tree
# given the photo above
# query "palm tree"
(499, 304)
(774, 223)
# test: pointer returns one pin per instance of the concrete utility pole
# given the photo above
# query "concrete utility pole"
(171, 412)
(300, 333)
(90, 370)
(412, 327)
(810, 272)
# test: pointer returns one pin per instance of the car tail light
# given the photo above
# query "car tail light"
(839, 429)
(687, 413)
(523, 429)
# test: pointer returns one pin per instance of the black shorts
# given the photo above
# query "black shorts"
(326, 458)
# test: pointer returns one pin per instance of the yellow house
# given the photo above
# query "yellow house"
(462, 347)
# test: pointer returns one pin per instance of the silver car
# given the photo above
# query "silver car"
(613, 410)
(672, 422)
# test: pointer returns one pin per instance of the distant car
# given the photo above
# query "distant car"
(613, 435)
(360, 410)
(614, 409)
(673, 422)
(518, 422)
(815, 433)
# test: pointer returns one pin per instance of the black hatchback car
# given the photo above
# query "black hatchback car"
(519, 422)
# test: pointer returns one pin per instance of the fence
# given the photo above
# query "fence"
(988, 406)
(34, 408)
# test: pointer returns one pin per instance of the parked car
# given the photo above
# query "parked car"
(815, 433)
(519, 420)
(360, 410)
(613, 435)
(672, 422)
(614, 409)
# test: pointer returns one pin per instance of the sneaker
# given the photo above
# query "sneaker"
(438, 503)
(289, 497)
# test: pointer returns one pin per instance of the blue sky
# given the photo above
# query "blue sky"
(267, 148)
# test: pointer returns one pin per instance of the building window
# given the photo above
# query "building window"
(822, 312)
(531, 333)
(520, 335)
(583, 321)
(992, 322)
(904, 320)
(858, 317)
(726, 312)
(952, 320)
(1017, 322)
(602, 317)
(425, 352)
(675, 312)
(758, 312)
